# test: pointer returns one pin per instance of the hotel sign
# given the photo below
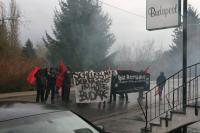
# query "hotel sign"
(161, 14)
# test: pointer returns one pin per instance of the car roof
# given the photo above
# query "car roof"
(14, 110)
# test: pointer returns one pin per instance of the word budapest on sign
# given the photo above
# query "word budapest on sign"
(92, 86)
(161, 14)
(131, 81)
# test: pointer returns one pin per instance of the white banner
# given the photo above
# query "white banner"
(161, 14)
(92, 86)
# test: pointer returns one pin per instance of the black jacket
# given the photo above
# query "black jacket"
(161, 80)
(67, 79)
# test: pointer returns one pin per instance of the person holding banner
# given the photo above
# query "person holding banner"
(51, 82)
(113, 86)
(160, 83)
(124, 95)
(66, 85)
(40, 85)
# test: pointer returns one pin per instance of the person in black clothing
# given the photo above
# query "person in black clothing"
(66, 86)
(161, 83)
(113, 86)
(40, 86)
(122, 95)
(51, 81)
(126, 96)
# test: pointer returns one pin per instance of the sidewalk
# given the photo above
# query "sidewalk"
(22, 94)
(17, 94)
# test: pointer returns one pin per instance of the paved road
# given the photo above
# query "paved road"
(92, 111)
(123, 114)
(126, 115)
(118, 117)
(130, 122)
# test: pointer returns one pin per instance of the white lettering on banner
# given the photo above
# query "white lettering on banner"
(92, 86)
(162, 14)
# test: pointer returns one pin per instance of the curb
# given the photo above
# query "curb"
(20, 94)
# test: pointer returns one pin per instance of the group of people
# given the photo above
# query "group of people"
(114, 85)
(46, 83)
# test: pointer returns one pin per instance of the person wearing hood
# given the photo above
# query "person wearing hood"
(161, 83)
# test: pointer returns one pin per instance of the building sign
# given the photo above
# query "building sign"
(131, 81)
(161, 14)
(92, 86)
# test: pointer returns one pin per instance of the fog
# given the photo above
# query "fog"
(128, 25)
(37, 17)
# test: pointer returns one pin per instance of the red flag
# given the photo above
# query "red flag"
(59, 79)
(31, 77)
(158, 91)
(62, 67)
(60, 76)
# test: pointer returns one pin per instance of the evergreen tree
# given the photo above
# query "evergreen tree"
(193, 27)
(82, 35)
(28, 50)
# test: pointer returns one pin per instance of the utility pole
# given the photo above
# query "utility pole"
(97, 1)
(184, 59)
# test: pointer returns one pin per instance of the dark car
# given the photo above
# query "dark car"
(23, 117)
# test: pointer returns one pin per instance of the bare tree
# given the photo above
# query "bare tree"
(14, 24)
(137, 56)
(3, 31)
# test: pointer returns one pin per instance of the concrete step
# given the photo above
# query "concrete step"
(175, 120)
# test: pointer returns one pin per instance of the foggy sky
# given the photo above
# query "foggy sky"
(37, 17)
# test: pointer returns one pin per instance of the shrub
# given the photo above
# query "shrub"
(14, 71)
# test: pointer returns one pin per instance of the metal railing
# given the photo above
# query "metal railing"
(171, 98)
